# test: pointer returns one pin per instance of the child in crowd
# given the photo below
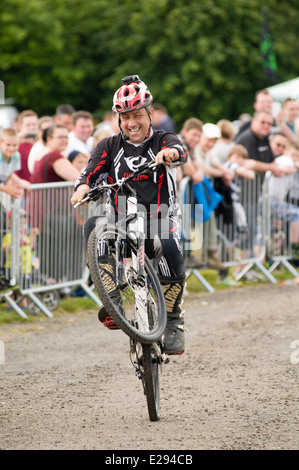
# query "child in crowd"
(27, 246)
(282, 210)
(238, 161)
(78, 159)
(289, 162)
(10, 162)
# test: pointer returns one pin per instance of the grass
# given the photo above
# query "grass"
(78, 304)
(66, 305)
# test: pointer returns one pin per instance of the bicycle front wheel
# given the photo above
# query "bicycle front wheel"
(140, 308)
(151, 381)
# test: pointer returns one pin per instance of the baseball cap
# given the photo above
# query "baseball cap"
(211, 131)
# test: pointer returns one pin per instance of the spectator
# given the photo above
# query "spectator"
(238, 162)
(27, 246)
(224, 144)
(78, 159)
(10, 163)
(100, 134)
(294, 191)
(279, 188)
(256, 140)
(263, 101)
(278, 143)
(190, 137)
(11, 185)
(81, 136)
(161, 121)
(39, 148)
(54, 166)
(288, 116)
(28, 127)
(52, 217)
(63, 116)
(289, 161)
(212, 168)
(209, 162)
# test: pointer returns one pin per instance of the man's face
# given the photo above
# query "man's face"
(83, 129)
(206, 143)
(29, 124)
(291, 111)
(192, 137)
(59, 140)
(135, 124)
(263, 101)
(261, 125)
(278, 145)
(9, 145)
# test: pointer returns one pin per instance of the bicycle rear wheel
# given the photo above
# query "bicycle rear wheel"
(140, 311)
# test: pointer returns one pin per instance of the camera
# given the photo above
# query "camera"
(131, 78)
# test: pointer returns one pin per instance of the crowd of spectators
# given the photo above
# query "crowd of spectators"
(57, 148)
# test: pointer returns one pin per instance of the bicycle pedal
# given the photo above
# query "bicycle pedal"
(110, 323)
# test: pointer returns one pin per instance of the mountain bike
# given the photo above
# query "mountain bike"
(128, 285)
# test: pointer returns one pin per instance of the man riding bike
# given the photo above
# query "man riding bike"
(116, 157)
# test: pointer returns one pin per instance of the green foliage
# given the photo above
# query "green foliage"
(198, 58)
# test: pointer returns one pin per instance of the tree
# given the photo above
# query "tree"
(198, 58)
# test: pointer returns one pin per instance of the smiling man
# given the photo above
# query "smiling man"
(256, 141)
(117, 157)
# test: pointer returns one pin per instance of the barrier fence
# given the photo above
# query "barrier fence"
(42, 249)
(42, 252)
(248, 230)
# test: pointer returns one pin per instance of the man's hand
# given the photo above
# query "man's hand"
(167, 156)
(80, 194)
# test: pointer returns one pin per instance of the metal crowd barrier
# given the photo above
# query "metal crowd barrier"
(42, 252)
(283, 229)
(42, 248)
(249, 234)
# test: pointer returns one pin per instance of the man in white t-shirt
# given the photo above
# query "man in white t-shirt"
(81, 138)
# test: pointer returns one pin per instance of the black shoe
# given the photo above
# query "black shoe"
(174, 336)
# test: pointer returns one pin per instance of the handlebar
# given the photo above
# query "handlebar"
(95, 193)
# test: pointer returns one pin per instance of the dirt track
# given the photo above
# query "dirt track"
(68, 383)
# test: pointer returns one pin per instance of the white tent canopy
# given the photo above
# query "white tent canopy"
(282, 91)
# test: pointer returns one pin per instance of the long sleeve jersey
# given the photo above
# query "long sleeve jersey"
(114, 158)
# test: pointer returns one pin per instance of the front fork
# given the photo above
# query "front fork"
(136, 229)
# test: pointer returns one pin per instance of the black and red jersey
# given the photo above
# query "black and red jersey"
(114, 158)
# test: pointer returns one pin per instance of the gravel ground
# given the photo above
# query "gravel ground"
(67, 383)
